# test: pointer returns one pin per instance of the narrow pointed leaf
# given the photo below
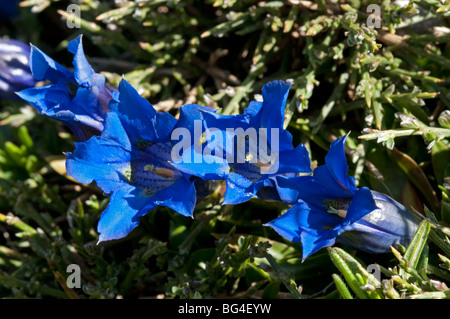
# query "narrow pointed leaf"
(348, 266)
(417, 245)
(341, 287)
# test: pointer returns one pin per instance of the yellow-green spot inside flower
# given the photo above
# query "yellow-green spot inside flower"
(337, 206)
(202, 139)
(127, 173)
(149, 168)
(160, 171)
(340, 212)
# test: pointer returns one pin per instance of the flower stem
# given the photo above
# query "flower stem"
(375, 134)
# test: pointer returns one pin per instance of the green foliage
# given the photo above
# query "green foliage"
(387, 85)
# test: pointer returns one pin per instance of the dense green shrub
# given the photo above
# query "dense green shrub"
(388, 84)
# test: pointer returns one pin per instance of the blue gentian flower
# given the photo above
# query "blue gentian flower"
(130, 161)
(15, 73)
(244, 149)
(79, 99)
(327, 207)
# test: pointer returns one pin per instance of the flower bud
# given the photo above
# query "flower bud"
(15, 73)
(387, 226)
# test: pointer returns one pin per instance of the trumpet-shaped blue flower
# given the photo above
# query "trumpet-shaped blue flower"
(15, 73)
(130, 161)
(327, 207)
(79, 99)
(244, 149)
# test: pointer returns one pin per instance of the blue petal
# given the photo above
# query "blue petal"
(45, 68)
(164, 124)
(115, 131)
(239, 190)
(100, 160)
(361, 205)
(12, 46)
(271, 113)
(86, 102)
(45, 98)
(54, 101)
(104, 160)
(82, 71)
(328, 184)
(370, 240)
(131, 103)
(141, 120)
(287, 187)
(288, 224)
(122, 214)
(204, 166)
(15, 73)
(313, 240)
(392, 217)
(181, 197)
(299, 224)
(308, 189)
(382, 228)
(295, 160)
(94, 98)
(336, 163)
(253, 108)
(189, 113)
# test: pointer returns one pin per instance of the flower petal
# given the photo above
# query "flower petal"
(239, 190)
(189, 113)
(104, 159)
(181, 197)
(382, 228)
(140, 119)
(122, 214)
(294, 225)
(288, 225)
(98, 160)
(204, 166)
(271, 113)
(361, 205)
(45, 68)
(45, 98)
(83, 70)
(115, 131)
(392, 216)
(336, 163)
(313, 240)
(294, 160)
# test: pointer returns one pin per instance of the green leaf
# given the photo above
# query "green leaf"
(445, 212)
(436, 235)
(440, 153)
(24, 137)
(341, 287)
(417, 246)
(348, 266)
